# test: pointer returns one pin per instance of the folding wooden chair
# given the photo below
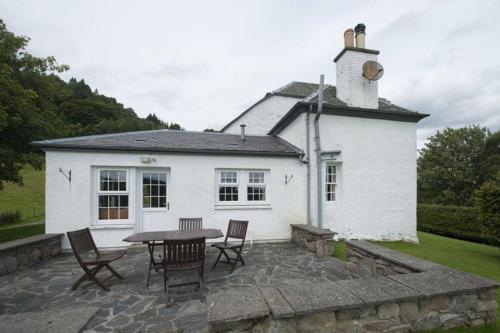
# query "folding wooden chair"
(183, 255)
(236, 230)
(89, 257)
(192, 223)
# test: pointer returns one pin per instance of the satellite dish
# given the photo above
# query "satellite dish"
(372, 70)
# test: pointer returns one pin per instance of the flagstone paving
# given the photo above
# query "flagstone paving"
(131, 307)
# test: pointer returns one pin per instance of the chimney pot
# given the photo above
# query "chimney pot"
(243, 131)
(360, 35)
(349, 38)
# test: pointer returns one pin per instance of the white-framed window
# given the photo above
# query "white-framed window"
(154, 190)
(112, 195)
(243, 187)
(331, 182)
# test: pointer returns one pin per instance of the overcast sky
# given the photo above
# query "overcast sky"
(201, 63)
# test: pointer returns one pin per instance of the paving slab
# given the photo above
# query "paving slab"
(68, 320)
(379, 290)
(277, 303)
(440, 282)
(231, 305)
(326, 296)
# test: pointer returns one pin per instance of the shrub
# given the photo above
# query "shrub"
(10, 217)
(487, 199)
(453, 221)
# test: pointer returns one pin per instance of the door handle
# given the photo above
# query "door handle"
(168, 205)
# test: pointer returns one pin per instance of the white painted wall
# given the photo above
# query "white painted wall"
(191, 193)
(352, 87)
(378, 175)
(263, 116)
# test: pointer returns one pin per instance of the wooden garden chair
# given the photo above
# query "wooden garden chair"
(235, 230)
(90, 258)
(183, 255)
(193, 223)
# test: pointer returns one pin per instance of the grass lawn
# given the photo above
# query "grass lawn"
(29, 198)
(474, 258)
(21, 232)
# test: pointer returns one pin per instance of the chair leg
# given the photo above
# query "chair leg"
(93, 277)
(115, 273)
(149, 274)
(200, 284)
(80, 280)
(218, 258)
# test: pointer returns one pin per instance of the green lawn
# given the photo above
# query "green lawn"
(475, 258)
(29, 198)
(7, 235)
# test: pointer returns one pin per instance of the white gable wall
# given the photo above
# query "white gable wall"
(263, 116)
(377, 166)
(191, 193)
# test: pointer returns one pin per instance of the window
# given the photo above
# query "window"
(113, 195)
(242, 187)
(154, 190)
(331, 183)
(256, 189)
(228, 188)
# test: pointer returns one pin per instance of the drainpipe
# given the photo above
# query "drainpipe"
(308, 161)
(318, 152)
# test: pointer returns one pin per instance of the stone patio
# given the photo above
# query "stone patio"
(131, 307)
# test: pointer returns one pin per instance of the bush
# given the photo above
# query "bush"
(453, 221)
(487, 199)
(10, 217)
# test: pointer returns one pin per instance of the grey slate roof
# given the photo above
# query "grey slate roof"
(308, 93)
(177, 142)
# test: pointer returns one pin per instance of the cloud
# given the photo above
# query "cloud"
(202, 63)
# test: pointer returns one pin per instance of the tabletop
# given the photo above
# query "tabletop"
(157, 236)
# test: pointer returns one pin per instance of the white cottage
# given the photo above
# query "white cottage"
(265, 166)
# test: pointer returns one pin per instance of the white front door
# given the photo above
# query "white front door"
(153, 202)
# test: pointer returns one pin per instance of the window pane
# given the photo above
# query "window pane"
(104, 176)
(228, 177)
(122, 186)
(146, 202)
(154, 190)
(121, 176)
(256, 193)
(114, 213)
(103, 201)
(163, 202)
(103, 213)
(113, 176)
(146, 190)
(123, 213)
(104, 186)
(154, 202)
(113, 201)
(163, 190)
(146, 178)
(256, 177)
(155, 178)
(228, 193)
(123, 200)
(163, 178)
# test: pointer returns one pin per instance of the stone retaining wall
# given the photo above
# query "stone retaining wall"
(319, 241)
(429, 296)
(28, 251)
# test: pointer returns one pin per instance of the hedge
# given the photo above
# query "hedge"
(10, 217)
(453, 221)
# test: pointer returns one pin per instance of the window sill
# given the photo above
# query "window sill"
(239, 207)
(111, 226)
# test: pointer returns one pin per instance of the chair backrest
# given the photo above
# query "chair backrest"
(191, 223)
(81, 242)
(185, 251)
(237, 229)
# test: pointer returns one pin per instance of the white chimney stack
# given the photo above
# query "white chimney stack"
(352, 87)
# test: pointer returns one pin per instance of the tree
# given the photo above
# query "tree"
(23, 117)
(448, 166)
(487, 200)
(209, 130)
(489, 164)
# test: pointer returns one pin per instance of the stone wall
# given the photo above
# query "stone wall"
(409, 295)
(28, 251)
(319, 241)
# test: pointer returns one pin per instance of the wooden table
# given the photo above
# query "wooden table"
(150, 237)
